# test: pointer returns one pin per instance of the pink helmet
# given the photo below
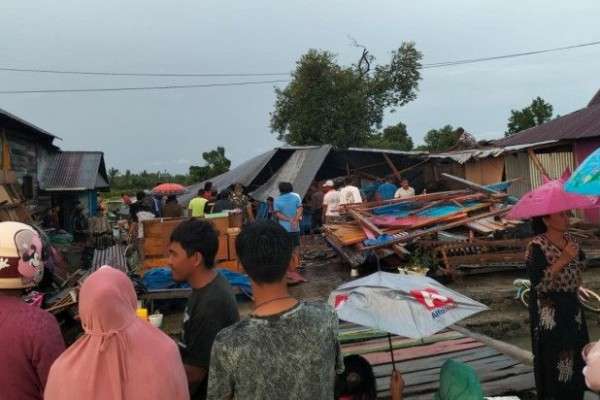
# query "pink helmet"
(21, 263)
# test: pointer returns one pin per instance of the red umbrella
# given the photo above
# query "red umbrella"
(168, 189)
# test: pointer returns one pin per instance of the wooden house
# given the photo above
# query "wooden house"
(44, 174)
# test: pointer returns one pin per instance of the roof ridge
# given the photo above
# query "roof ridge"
(595, 100)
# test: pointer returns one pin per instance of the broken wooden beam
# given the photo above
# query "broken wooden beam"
(388, 160)
(472, 185)
(435, 229)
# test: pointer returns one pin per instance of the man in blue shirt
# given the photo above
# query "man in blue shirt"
(386, 190)
(288, 211)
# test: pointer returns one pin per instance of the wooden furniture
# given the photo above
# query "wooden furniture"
(157, 233)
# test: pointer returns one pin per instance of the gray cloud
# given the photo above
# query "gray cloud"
(150, 130)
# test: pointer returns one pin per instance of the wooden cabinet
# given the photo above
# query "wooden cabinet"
(157, 234)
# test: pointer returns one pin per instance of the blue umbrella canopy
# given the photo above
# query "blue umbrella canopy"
(586, 178)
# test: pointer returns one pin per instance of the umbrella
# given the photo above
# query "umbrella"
(548, 199)
(168, 189)
(407, 305)
(586, 178)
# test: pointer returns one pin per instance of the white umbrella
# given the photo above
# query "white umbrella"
(406, 305)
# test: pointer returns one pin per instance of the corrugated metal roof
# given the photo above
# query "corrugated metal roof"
(554, 163)
(244, 173)
(387, 151)
(300, 170)
(584, 123)
(462, 156)
(27, 124)
(73, 171)
(516, 165)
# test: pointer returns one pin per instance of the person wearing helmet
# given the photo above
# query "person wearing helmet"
(30, 338)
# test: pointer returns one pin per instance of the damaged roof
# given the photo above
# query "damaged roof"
(584, 123)
(463, 156)
(73, 171)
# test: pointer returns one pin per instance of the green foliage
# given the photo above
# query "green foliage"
(326, 103)
(132, 183)
(443, 139)
(537, 113)
(393, 137)
(216, 164)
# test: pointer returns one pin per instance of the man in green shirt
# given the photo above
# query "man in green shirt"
(198, 204)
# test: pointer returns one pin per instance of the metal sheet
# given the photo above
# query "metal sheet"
(73, 170)
(516, 165)
(554, 163)
(244, 173)
(300, 170)
(583, 123)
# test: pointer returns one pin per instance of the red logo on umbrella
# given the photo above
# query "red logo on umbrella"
(340, 299)
(431, 298)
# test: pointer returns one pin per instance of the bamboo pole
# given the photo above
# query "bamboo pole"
(511, 350)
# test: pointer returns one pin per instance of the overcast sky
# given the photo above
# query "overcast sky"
(169, 129)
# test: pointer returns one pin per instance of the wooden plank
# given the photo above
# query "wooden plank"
(375, 345)
(538, 164)
(480, 259)
(421, 198)
(392, 167)
(448, 346)
(506, 348)
(472, 185)
(424, 364)
(438, 228)
(350, 258)
(493, 383)
(487, 370)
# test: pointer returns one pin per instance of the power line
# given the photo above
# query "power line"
(513, 55)
(141, 74)
(248, 83)
(250, 74)
(133, 88)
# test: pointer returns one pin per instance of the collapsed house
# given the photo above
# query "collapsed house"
(37, 174)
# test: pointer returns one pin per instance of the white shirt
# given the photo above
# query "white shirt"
(404, 193)
(350, 195)
(331, 199)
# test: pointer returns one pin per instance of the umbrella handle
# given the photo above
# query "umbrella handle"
(392, 352)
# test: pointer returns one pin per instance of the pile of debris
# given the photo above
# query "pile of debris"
(449, 226)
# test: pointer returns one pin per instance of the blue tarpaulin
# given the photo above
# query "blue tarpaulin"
(162, 278)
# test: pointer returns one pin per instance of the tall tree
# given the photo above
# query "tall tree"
(443, 139)
(216, 164)
(393, 137)
(537, 113)
(329, 103)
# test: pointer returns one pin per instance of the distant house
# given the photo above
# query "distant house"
(48, 176)
(561, 143)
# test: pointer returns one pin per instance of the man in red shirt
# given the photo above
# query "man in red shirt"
(30, 338)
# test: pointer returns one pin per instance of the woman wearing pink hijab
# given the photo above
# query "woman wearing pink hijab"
(120, 357)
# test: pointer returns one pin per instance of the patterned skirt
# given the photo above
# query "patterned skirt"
(559, 333)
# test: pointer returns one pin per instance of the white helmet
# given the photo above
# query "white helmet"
(21, 263)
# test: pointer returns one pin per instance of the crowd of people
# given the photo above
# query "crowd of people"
(286, 348)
